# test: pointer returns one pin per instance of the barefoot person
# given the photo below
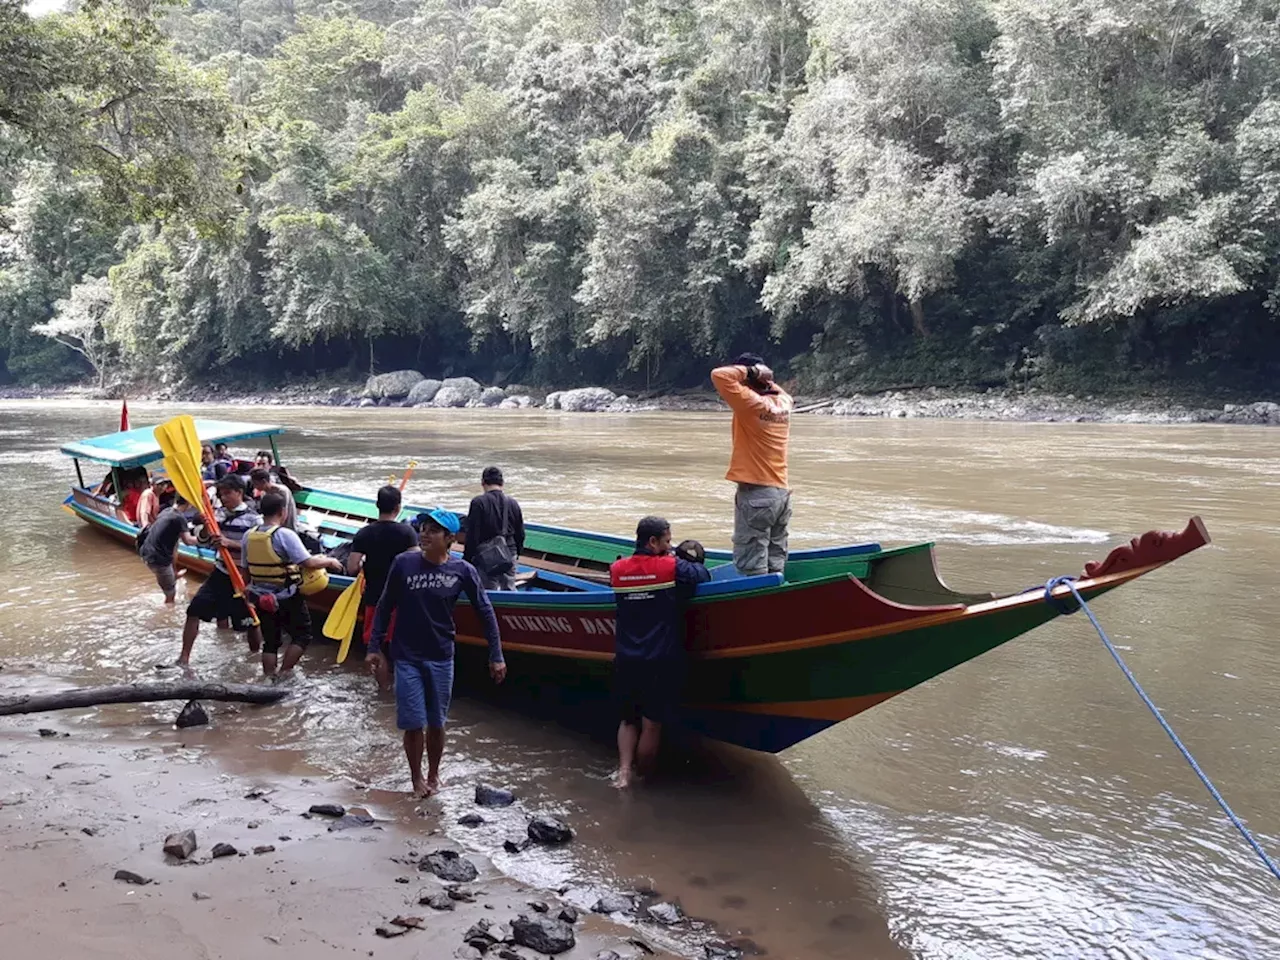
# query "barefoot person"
(216, 599)
(758, 465)
(373, 550)
(421, 591)
(274, 558)
(651, 587)
(161, 544)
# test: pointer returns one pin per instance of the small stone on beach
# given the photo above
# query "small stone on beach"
(569, 915)
(449, 866)
(471, 820)
(128, 876)
(265, 848)
(667, 913)
(223, 850)
(537, 906)
(192, 715)
(197, 895)
(46, 732)
(327, 809)
(488, 796)
(613, 903)
(515, 846)
(549, 830)
(409, 923)
(181, 844)
(388, 932)
(436, 901)
(543, 934)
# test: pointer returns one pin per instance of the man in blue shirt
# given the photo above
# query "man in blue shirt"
(422, 588)
(651, 587)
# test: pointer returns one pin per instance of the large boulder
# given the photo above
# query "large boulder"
(521, 390)
(586, 399)
(423, 392)
(516, 403)
(457, 392)
(543, 934)
(553, 400)
(492, 396)
(392, 386)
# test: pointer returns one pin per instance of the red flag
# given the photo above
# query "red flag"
(124, 415)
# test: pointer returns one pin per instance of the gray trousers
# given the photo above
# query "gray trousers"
(760, 519)
(503, 581)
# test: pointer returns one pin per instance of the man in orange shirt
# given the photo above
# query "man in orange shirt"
(761, 428)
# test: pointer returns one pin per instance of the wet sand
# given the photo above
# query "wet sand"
(75, 810)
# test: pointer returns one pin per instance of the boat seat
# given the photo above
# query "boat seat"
(726, 571)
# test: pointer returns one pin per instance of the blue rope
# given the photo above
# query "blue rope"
(1069, 582)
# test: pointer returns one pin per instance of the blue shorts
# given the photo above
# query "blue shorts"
(423, 691)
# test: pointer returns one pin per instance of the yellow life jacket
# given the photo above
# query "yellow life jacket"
(266, 567)
(314, 580)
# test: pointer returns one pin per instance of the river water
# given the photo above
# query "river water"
(1023, 805)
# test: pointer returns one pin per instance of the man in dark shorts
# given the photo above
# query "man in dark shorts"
(274, 558)
(161, 544)
(216, 599)
(373, 549)
(422, 589)
(651, 588)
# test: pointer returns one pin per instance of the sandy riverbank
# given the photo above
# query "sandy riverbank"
(74, 810)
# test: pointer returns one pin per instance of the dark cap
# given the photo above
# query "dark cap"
(748, 360)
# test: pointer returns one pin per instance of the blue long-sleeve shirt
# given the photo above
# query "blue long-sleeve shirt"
(423, 595)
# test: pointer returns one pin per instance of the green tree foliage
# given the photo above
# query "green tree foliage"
(628, 190)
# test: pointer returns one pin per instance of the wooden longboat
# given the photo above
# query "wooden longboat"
(774, 659)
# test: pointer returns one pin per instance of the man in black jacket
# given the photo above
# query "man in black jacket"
(494, 520)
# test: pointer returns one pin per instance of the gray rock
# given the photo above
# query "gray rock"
(586, 399)
(569, 915)
(549, 830)
(457, 392)
(327, 809)
(614, 903)
(180, 845)
(537, 906)
(667, 913)
(471, 820)
(192, 715)
(423, 392)
(488, 796)
(265, 848)
(608, 955)
(516, 846)
(553, 400)
(544, 934)
(437, 901)
(518, 402)
(355, 817)
(128, 876)
(448, 865)
(392, 386)
(492, 396)
(223, 850)
(468, 952)
(366, 402)
(721, 951)
(479, 935)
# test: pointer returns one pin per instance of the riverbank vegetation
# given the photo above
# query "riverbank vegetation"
(1066, 193)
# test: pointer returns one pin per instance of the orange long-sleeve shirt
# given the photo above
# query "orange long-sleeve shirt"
(761, 428)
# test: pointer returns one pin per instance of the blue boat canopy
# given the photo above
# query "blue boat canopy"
(133, 448)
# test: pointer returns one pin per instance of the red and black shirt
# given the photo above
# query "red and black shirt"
(651, 591)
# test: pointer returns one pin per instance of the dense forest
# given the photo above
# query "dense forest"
(1057, 192)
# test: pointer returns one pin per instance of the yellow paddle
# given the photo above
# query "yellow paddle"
(181, 448)
(340, 625)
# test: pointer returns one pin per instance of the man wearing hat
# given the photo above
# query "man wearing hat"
(421, 590)
(151, 502)
(758, 465)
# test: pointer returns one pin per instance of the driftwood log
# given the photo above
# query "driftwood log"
(140, 693)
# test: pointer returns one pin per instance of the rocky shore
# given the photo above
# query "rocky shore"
(148, 850)
(409, 388)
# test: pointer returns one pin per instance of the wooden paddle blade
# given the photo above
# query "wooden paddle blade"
(340, 625)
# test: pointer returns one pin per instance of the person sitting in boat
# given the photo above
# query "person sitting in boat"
(274, 558)
(152, 500)
(422, 589)
(216, 599)
(135, 482)
(264, 460)
(758, 465)
(262, 483)
(651, 587)
(494, 533)
(222, 455)
(211, 469)
(161, 544)
(374, 548)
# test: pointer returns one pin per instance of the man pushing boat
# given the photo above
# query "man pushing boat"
(761, 429)
(421, 590)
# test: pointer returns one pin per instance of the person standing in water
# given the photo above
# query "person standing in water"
(758, 465)
(651, 587)
(421, 591)
(374, 548)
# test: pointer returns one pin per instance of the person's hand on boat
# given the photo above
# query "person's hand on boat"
(498, 670)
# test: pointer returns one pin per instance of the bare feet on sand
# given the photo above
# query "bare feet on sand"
(622, 780)
(424, 788)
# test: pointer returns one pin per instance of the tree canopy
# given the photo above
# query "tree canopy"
(625, 191)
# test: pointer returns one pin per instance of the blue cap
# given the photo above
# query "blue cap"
(441, 517)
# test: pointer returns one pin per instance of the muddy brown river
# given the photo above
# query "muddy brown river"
(1023, 805)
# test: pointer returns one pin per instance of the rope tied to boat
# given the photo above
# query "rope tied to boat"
(1065, 605)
